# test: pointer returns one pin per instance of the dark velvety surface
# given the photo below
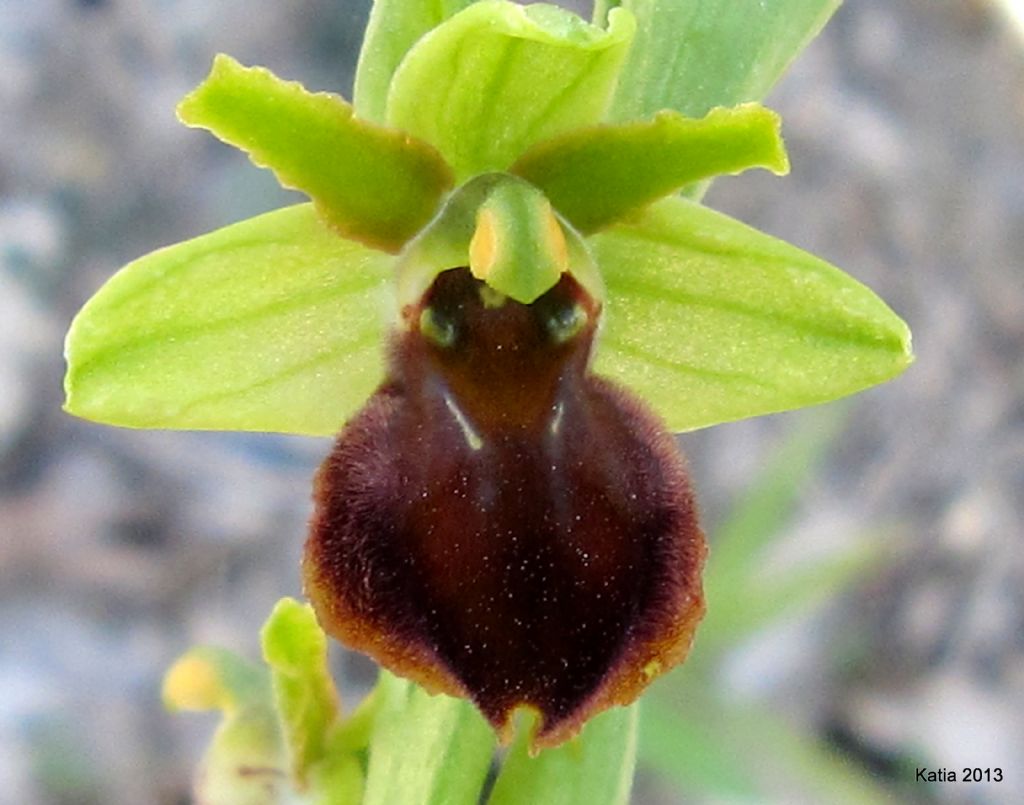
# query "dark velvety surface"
(526, 526)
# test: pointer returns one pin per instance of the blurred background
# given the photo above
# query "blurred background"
(866, 585)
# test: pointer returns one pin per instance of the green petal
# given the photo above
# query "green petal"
(295, 648)
(711, 321)
(498, 77)
(394, 27)
(595, 768)
(272, 324)
(595, 176)
(426, 749)
(372, 184)
(693, 55)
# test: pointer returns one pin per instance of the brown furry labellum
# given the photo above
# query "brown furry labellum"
(500, 524)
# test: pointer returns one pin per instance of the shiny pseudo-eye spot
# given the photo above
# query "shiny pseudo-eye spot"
(438, 328)
(498, 523)
(566, 322)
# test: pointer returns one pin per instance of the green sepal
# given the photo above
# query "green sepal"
(532, 246)
(710, 320)
(425, 749)
(295, 648)
(271, 324)
(694, 55)
(594, 176)
(393, 28)
(497, 77)
(594, 768)
(372, 184)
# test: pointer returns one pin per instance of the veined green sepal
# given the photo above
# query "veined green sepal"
(710, 320)
(271, 324)
(494, 79)
(394, 27)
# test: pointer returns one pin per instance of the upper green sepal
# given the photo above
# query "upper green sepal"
(372, 184)
(494, 79)
(393, 28)
(711, 320)
(594, 176)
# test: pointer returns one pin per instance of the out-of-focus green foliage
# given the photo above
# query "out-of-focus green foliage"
(693, 736)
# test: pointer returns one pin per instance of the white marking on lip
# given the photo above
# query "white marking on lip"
(556, 422)
(468, 431)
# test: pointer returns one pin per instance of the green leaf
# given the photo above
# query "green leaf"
(372, 184)
(691, 751)
(497, 77)
(764, 510)
(710, 320)
(594, 769)
(742, 753)
(272, 324)
(295, 648)
(693, 55)
(426, 749)
(336, 780)
(637, 163)
(737, 611)
(394, 27)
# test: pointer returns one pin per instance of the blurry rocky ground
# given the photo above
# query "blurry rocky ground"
(120, 549)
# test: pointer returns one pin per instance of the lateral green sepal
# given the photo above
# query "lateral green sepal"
(497, 77)
(710, 320)
(370, 183)
(271, 324)
(595, 176)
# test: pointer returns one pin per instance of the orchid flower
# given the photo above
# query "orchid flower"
(505, 298)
